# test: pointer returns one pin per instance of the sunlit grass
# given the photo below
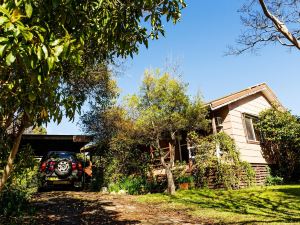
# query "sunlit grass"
(259, 205)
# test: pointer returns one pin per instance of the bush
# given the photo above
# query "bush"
(13, 202)
(132, 185)
(135, 185)
(19, 188)
(271, 180)
(185, 179)
(280, 142)
(227, 170)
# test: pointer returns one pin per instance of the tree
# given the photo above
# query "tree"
(162, 109)
(281, 140)
(269, 21)
(116, 139)
(53, 52)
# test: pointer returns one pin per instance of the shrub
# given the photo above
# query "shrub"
(280, 142)
(273, 180)
(185, 179)
(22, 183)
(227, 169)
(132, 185)
(135, 185)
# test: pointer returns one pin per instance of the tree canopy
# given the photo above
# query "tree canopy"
(54, 53)
(281, 141)
(162, 110)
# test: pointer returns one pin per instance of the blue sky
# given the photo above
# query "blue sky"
(198, 43)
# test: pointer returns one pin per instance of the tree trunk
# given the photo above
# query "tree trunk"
(170, 179)
(10, 160)
(167, 167)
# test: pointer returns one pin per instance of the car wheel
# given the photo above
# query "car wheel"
(63, 168)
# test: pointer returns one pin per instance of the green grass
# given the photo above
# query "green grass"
(259, 205)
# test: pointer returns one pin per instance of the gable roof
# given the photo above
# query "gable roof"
(263, 88)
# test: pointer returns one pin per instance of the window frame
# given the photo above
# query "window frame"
(254, 132)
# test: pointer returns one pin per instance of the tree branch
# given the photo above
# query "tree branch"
(280, 26)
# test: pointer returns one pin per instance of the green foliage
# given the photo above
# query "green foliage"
(21, 185)
(228, 169)
(185, 179)
(123, 134)
(161, 110)
(163, 107)
(116, 162)
(39, 130)
(116, 138)
(55, 54)
(25, 160)
(179, 169)
(281, 141)
(271, 180)
(15, 196)
(249, 173)
(46, 46)
(133, 185)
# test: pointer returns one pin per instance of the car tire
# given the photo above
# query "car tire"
(63, 168)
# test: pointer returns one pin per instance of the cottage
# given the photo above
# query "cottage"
(235, 114)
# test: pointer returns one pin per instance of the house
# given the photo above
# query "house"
(235, 114)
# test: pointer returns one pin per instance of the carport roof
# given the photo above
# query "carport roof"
(41, 144)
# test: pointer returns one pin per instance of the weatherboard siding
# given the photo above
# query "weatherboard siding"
(253, 105)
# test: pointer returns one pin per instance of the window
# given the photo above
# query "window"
(251, 133)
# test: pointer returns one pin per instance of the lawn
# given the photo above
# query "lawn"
(259, 205)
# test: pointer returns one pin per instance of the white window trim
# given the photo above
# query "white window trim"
(252, 128)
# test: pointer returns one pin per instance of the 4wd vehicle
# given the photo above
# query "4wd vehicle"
(61, 167)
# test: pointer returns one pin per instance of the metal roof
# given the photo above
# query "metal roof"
(226, 100)
(42, 144)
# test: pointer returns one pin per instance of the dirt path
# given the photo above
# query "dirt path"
(66, 207)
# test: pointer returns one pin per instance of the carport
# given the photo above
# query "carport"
(41, 144)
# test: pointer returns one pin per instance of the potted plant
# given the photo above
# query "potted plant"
(185, 181)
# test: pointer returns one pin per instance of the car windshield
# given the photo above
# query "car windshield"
(61, 155)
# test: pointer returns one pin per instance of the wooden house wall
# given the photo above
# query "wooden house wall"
(253, 105)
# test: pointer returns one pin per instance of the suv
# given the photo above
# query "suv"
(61, 167)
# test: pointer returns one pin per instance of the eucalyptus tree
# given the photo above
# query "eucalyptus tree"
(162, 109)
(267, 22)
(50, 49)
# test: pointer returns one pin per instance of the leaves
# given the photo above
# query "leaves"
(50, 62)
(3, 20)
(27, 35)
(58, 50)
(31, 97)
(28, 9)
(10, 58)
(16, 15)
(48, 49)
(2, 48)
(3, 39)
(280, 132)
(45, 51)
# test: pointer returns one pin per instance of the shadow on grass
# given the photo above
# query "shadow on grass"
(292, 191)
(281, 205)
(65, 208)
